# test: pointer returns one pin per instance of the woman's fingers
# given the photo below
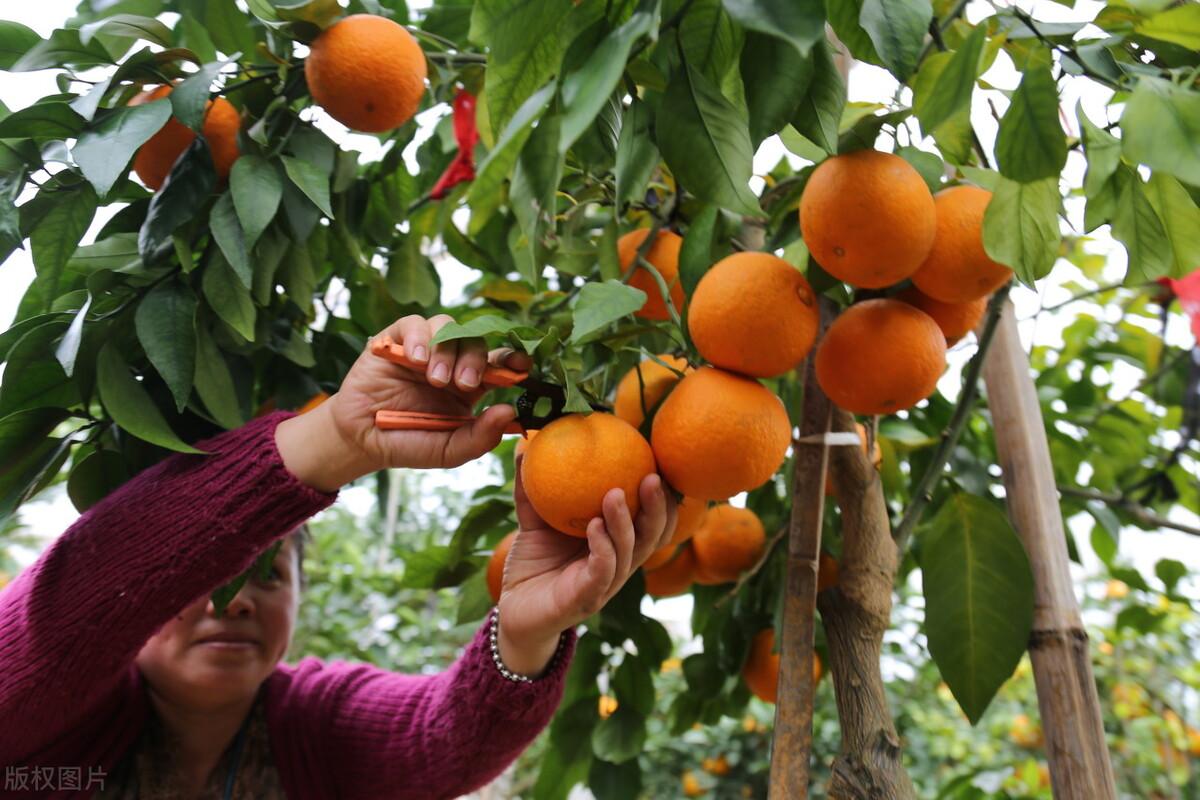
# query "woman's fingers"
(472, 361)
(477, 437)
(651, 518)
(601, 571)
(619, 523)
(442, 356)
(527, 518)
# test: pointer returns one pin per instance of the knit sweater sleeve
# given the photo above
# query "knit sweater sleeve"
(73, 622)
(389, 735)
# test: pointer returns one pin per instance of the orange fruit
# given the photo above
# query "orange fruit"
(867, 218)
(577, 459)
(523, 444)
(881, 356)
(718, 434)
(655, 381)
(730, 542)
(753, 313)
(154, 159)
(367, 72)
(876, 456)
(663, 255)
(313, 402)
(718, 766)
(827, 572)
(761, 670)
(955, 319)
(691, 786)
(606, 706)
(1026, 733)
(689, 517)
(674, 577)
(957, 268)
(660, 556)
(495, 567)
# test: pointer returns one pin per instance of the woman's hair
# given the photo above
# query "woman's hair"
(301, 536)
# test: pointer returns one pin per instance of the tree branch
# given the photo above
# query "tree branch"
(1139, 513)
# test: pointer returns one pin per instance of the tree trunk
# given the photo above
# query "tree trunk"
(1058, 645)
(856, 612)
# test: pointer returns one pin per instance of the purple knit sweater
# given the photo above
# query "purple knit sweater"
(73, 622)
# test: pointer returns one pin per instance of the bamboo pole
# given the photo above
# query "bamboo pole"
(1058, 645)
(792, 744)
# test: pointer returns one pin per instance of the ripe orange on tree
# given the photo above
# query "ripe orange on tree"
(577, 459)
(876, 456)
(730, 542)
(718, 766)
(867, 218)
(957, 268)
(827, 572)
(718, 434)
(367, 72)
(495, 567)
(313, 402)
(691, 786)
(663, 255)
(673, 577)
(154, 159)
(690, 516)
(753, 313)
(523, 444)
(880, 356)
(654, 383)
(955, 319)
(660, 556)
(761, 670)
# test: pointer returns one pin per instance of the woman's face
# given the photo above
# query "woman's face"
(185, 669)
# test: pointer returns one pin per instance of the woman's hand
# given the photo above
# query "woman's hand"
(553, 581)
(338, 441)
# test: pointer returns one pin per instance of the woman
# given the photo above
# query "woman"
(118, 680)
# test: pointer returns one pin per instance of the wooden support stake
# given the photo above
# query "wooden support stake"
(1078, 756)
(794, 709)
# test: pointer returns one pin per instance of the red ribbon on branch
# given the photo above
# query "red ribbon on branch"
(1188, 291)
(462, 168)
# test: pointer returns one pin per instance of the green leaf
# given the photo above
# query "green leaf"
(637, 155)
(257, 189)
(58, 233)
(94, 478)
(800, 23)
(227, 231)
(1031, 144)
(710, 41)
(897, 29)
(42, 380)
(930, 167)
(1180, 26)
(194, 36)
(978, 599)
(1160, 128)
(68, 348)
(411, 277)
(227, 296)
(310, 180)
(1136, 225)
(1103, 151)
(189, 99)
(532, 193)
(705, 142)
(953, 84)
(1020, 227)
(600, 304)
(62, 48)
(127, 401)
(585, 91)
(776, 78)
(105, 149)
(321, 13)
(696, 254)
(15, 40)
(127, 26)
(634, 685)
(214, 383)
(820, 111)
(620, 737)
(484, 195)
(42, 122)
(298, 350)
(615, 781)
(187, 188)
(483, 325)
(166, 327)
(26, 451)
(1181, 220)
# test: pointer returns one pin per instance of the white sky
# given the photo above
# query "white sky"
(867, 83)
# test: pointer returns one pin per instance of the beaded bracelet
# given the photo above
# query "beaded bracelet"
(493, 637)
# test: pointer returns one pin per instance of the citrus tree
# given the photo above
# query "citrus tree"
(593, 164)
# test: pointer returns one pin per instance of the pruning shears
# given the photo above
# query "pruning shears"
(533, 391)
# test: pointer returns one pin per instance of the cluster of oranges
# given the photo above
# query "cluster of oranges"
(366, 71)
(869, 219)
